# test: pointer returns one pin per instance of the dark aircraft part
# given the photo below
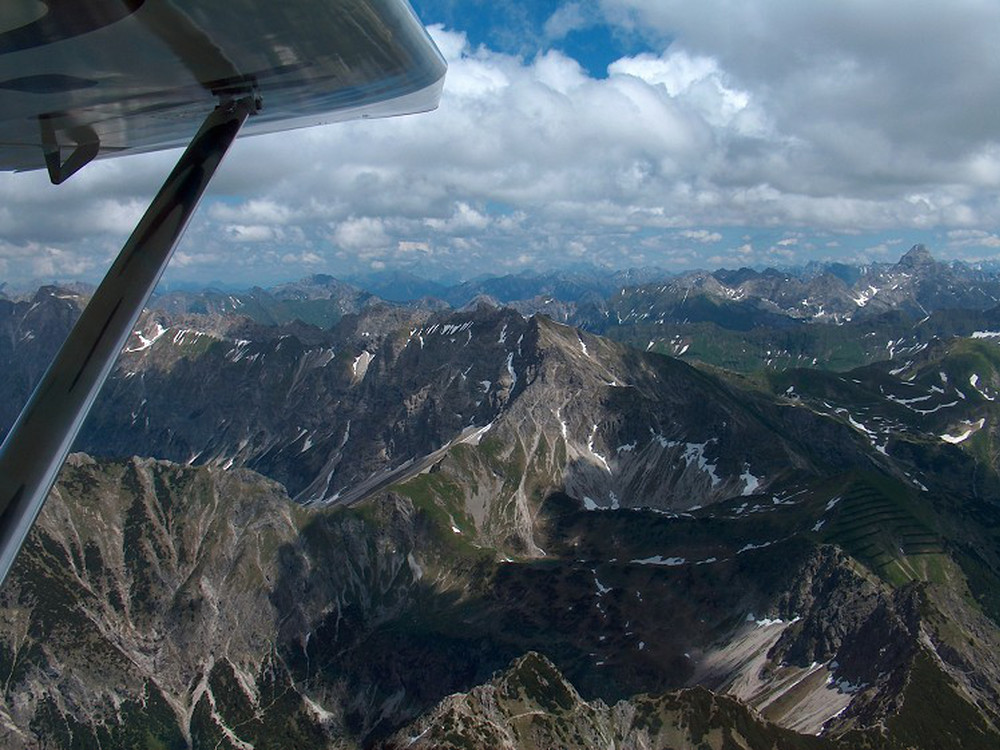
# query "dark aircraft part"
(36, 446)
(141, 74)
(88, 145)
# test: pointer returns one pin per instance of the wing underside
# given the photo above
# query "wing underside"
(105, 77)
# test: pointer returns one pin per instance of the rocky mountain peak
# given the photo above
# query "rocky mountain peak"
(916, 257)
(482, 300)
(317, 286)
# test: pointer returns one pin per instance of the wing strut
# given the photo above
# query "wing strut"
(40, 439)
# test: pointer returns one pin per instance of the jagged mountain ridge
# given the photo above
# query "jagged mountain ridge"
(832, 291)
(821, 292)
(735, 319)
(743, 319)
(31, 333)
(325, 411)
(531, 705)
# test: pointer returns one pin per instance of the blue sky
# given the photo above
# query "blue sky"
(609, 133)
(576, 29)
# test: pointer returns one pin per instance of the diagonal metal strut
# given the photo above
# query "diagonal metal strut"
(40, 439)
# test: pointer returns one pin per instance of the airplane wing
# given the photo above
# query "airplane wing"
(87, 79)
(104, 77)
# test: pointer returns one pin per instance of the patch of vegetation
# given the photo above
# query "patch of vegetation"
(934, 715)
(790, 345)
(279, 720)
(441, 500)
(982, 579)
(147, 725)
(537, 681)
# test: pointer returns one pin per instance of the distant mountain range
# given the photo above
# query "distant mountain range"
(734, 319)
(833, 290)
(473, 526)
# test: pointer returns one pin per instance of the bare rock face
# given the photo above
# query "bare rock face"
(163, 598)
(616, 428)
(196, 607)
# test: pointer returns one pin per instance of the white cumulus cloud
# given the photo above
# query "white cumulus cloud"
(809, 119)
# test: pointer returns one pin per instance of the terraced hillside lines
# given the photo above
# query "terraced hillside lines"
(878, 527)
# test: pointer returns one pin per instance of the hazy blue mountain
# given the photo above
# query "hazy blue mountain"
(399, 286)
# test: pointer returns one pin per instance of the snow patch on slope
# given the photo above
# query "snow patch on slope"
(971, 428)
(146, 343)
(360, 366)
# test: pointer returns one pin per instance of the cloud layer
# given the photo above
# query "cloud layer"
(756, 132)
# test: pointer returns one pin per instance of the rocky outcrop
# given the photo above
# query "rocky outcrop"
(531, 706)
